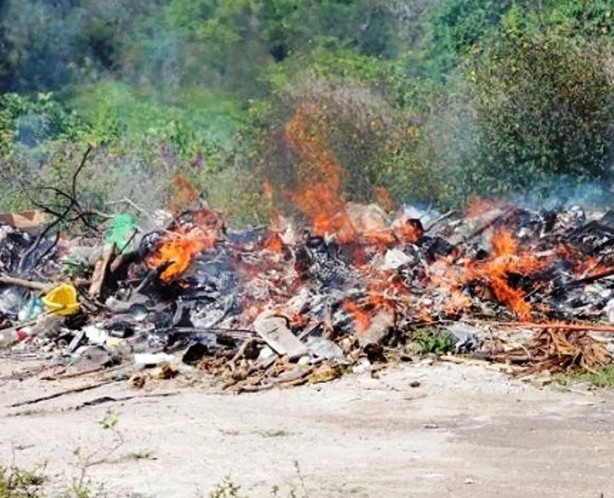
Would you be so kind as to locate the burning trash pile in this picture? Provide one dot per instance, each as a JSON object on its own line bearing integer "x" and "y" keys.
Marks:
{"x": 346, "y": 290}
{"x": 282, "y": 306}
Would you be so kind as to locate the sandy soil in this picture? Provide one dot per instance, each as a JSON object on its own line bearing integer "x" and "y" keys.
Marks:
{"x": 465, "y": 431}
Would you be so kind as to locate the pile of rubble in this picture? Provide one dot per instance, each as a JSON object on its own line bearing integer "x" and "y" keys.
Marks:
{"x": 284, "y": 305}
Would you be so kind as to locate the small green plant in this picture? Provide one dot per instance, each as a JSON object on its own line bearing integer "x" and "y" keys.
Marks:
{"x": 226, "y": 489}
{"x": 19, "y": 483}
{"x": 430, "y": 340}
{"x": 81, "y": 486}
{"x": 110, "y": 421}
{"x": 82, "y": 491}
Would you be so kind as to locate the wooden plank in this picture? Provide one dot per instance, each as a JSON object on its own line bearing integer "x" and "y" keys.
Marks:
{"x": 100, "y": 271}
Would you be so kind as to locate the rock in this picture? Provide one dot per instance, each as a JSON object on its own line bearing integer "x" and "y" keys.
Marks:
{"x": 266, "y": 353}
{"x": 325, "y": 373}
{"x": 275, "y": 332}
{"x": 608, "y": 219}
{"x": 362, "y": 366}
{"x": 465, "y": 337}
{"x": 92, "y": 357}
{"x": 323, "y": 349}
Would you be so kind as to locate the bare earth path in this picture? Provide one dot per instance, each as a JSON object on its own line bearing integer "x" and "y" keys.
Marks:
{"x": 464, "y": 432}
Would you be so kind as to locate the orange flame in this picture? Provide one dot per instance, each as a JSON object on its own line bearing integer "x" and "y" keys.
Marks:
{"x": 447, "y": 277}
{"x": 408, "y": 232}
{"x": 362, "y": 319}
{"x": 273, "y": 242}
{"x": 506, "y": 259}
{"x": 183, "y": 245}
{"x": 320, "y": 176}
{"x": 181, "y": 249}
{"x": 565, "y": 252}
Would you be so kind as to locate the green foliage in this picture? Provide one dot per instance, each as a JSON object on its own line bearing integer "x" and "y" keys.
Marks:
{"x": 544, "y": 107}
{"x": 19, "y": 483}
{"x": 457, "y": 26}
{"x": 82, "y": 491}
{"x": 435, "y": 100}
{"x": 593, "y": 18}
{"x": 33, "y": 121}
{"x": 75, "y": 268}
{"x": 226, "y": 489}
{"x": 48, "y": 45}
{"x": 429, "y": 340}
{"x": 127, "y": 119}
{"x": 110, "y": 421}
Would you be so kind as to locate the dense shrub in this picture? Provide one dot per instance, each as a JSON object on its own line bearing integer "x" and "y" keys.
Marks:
{"x": 31, "y": 122}
{"x": 544, "y": 109}
{"x": 435, "y": 100}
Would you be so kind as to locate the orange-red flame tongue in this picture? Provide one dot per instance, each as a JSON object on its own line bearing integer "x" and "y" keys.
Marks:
{"x": 507, "y": 258}
{"x": 361, "y": 318}
{"x": 180, "y": 249}
{"x": 320, "y": 176}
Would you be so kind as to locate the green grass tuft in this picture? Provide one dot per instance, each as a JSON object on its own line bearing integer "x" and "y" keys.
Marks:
{"x": 19, "y": 483}
{"x": 602, "y": 378}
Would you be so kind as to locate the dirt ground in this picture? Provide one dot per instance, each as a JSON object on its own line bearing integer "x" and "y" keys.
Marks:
{"x": 465, "y": 431}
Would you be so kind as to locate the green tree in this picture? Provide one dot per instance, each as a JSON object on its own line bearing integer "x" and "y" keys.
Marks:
{"x": 456, "y": 26}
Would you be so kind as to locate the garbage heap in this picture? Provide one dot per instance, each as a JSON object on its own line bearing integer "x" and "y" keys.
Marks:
{"x": 287, "y": 304}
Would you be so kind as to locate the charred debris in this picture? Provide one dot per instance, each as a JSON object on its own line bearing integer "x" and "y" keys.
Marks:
{"x": 163, "y": 295}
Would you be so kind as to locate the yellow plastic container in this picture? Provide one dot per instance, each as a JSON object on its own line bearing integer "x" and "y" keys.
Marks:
{"x": 62, "y": 300}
